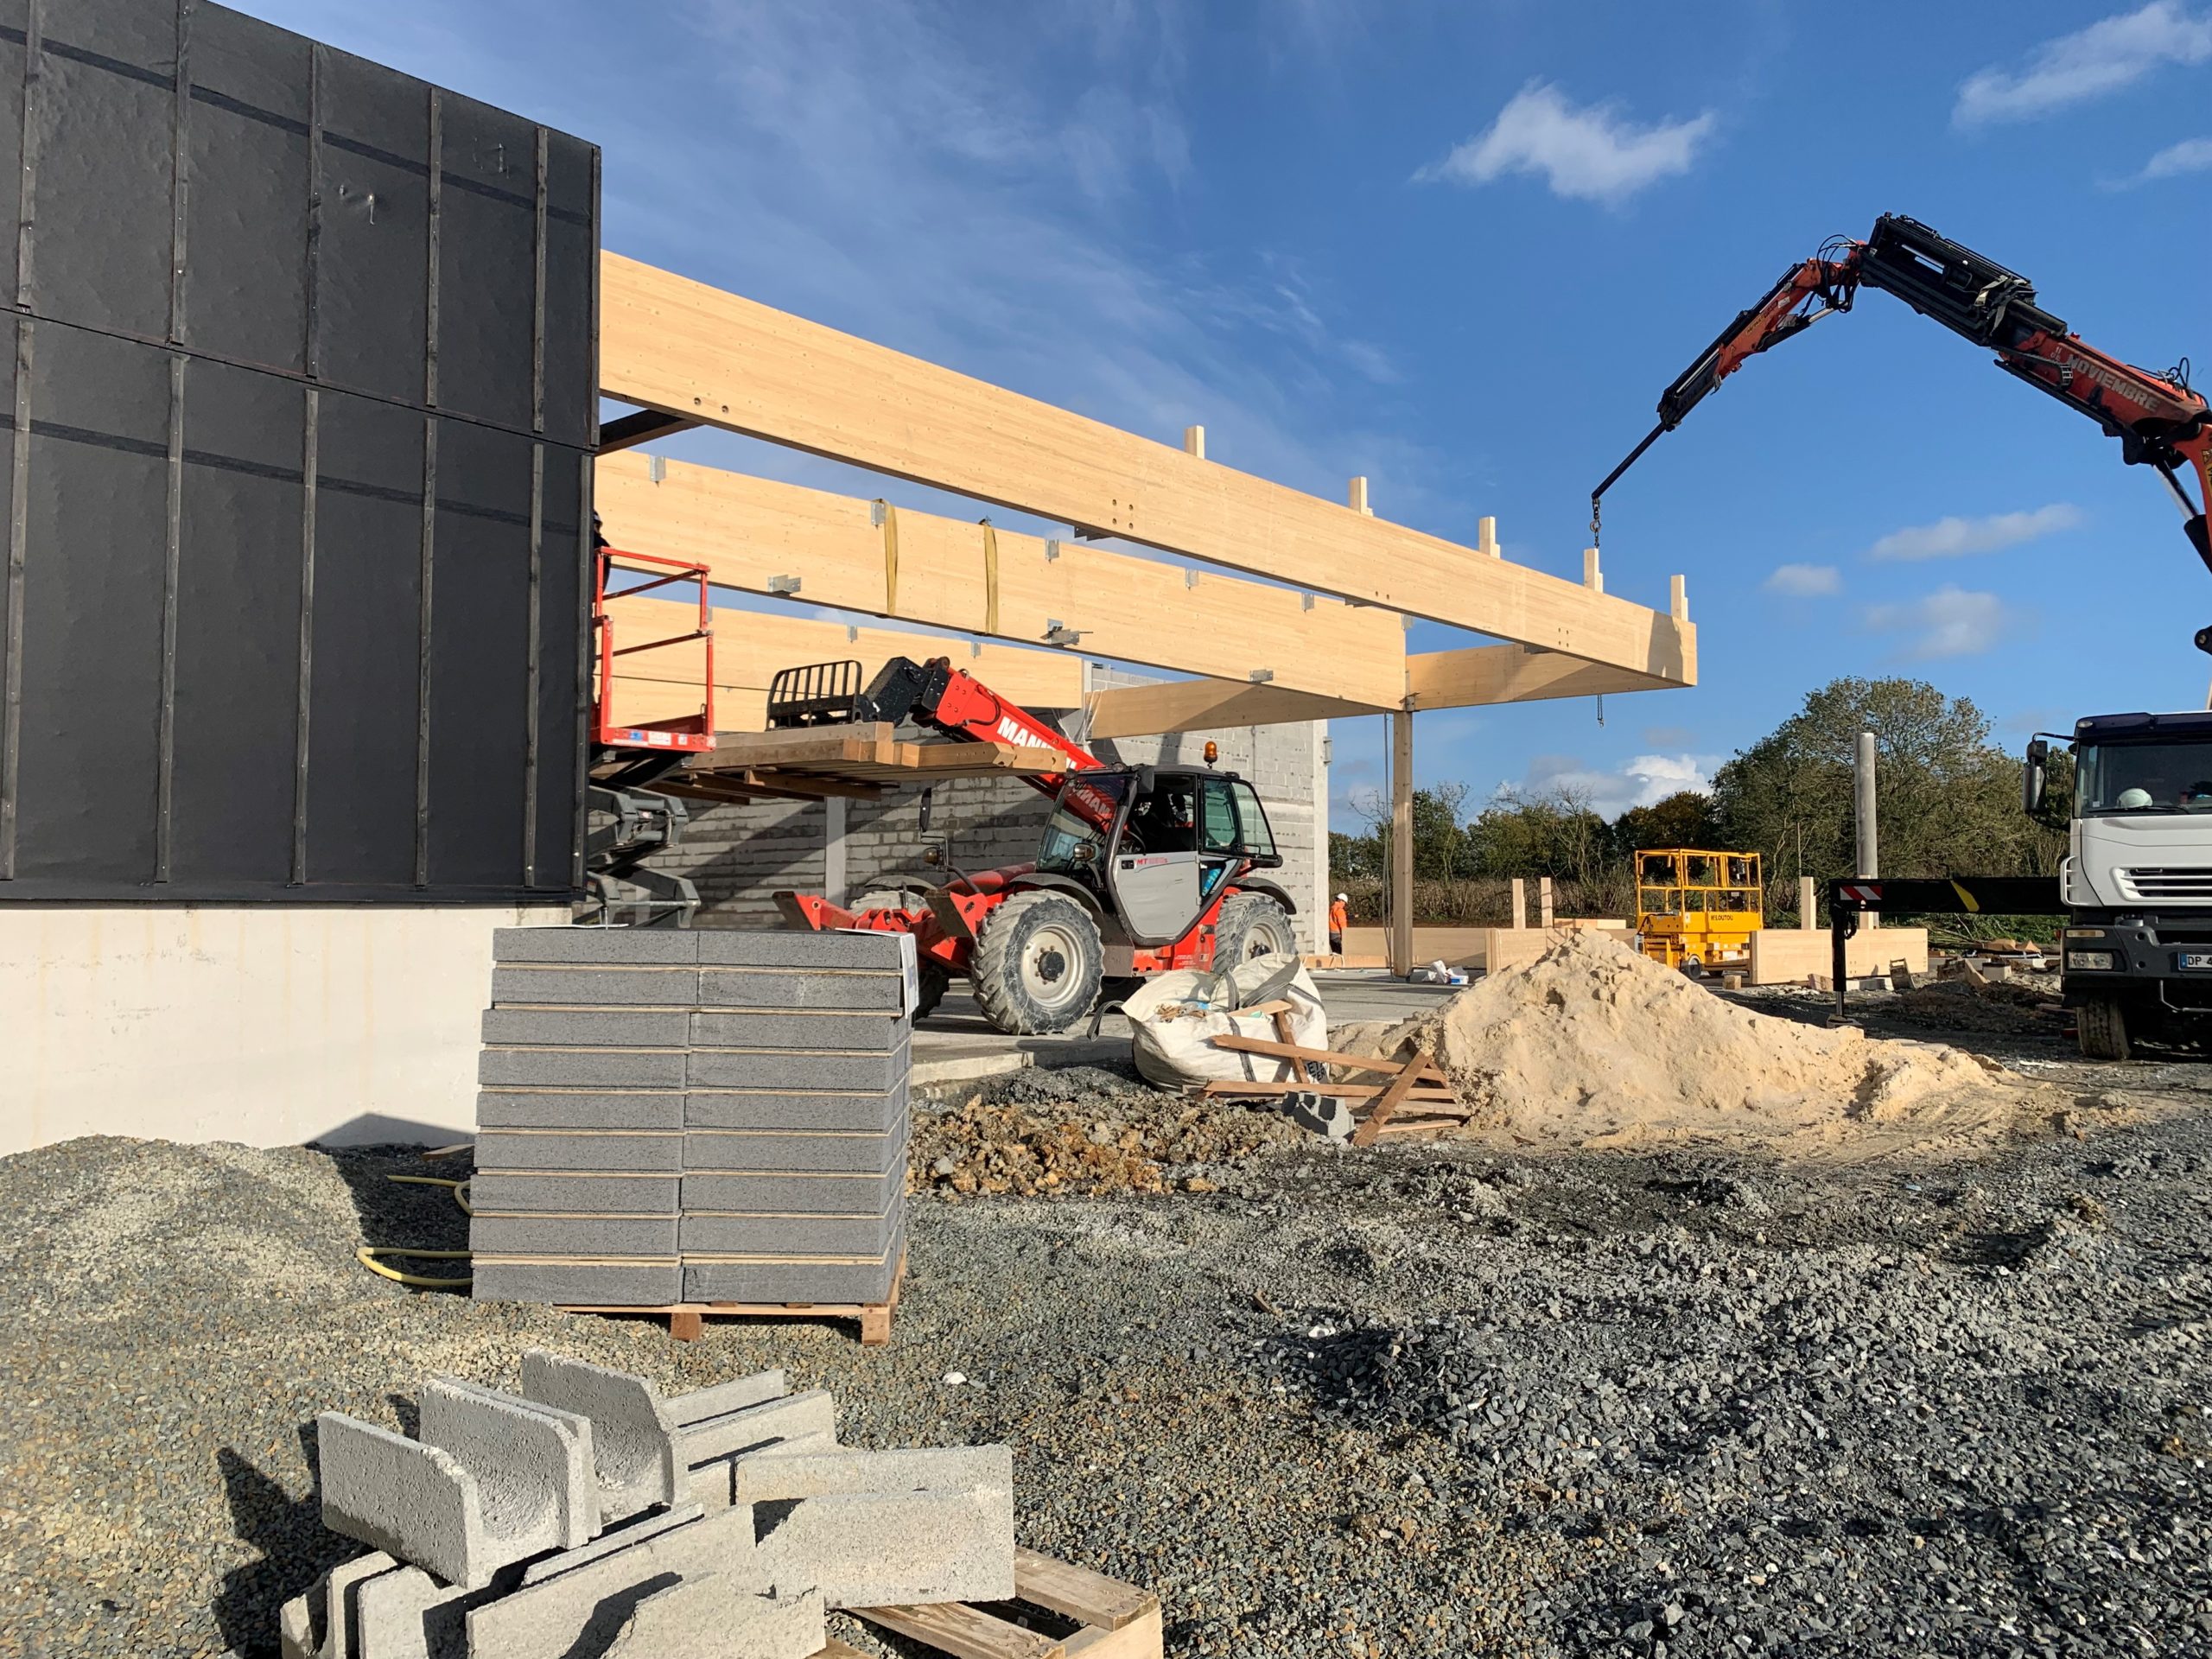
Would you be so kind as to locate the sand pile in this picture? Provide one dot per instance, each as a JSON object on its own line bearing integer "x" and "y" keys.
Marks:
{"x": 1594, "y": 1044}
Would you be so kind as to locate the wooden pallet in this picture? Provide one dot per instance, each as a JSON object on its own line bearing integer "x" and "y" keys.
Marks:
{"x": 687, "y": 1321}
{"x": 1060, "y": 1612}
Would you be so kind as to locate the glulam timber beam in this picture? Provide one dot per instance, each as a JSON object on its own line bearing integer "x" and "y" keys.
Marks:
{"x": 758, "y": 535}
{"x": 697, "y": 352}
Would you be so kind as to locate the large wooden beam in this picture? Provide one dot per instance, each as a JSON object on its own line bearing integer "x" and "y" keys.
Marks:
{"x": 1435, "y": 679}
{"x": 1401, "y": 842}
{"x": 758, "y": 536}
{"x": 682, "y": 346}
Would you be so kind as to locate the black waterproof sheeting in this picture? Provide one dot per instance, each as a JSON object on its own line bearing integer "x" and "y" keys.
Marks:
{"x": 299, "y": 386}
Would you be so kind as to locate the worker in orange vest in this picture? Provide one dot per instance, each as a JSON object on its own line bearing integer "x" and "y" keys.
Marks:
{"x": 1339, "y": 920}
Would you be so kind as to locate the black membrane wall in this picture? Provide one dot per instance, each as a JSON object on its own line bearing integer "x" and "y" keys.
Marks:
{"x": 298, "y": 383}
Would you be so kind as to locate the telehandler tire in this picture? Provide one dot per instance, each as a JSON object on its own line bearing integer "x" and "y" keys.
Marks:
{"x": 1252, "y": 924}
{"x": 2100, "y": 1027}
{"x": 1037, "y": 964}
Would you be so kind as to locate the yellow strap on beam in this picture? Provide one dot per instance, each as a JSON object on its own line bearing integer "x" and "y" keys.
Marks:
{"x": 890, "y": 556}
{"x": 990, "y": 578}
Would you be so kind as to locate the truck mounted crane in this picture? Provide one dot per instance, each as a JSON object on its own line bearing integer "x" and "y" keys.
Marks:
{"x": 1140, "y": 870}
{"x": 2160, "y": 422}
{"x": 2135, "y": 885}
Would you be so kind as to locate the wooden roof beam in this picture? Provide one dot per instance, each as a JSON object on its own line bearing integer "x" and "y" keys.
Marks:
{"x": 693, "y": 351}
{"x": 761, "y": 537}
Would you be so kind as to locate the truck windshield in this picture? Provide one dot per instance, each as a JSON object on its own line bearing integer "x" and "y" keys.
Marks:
{"x": 2114, "y": 778}
{"x": 1074, "y": 843}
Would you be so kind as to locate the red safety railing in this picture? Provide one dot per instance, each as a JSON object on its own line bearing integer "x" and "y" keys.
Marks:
{"x": 691, "y": 733}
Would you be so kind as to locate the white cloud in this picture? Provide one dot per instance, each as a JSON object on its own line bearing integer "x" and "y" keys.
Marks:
{"x": 1804, "y": 580}
{"x": 1949, "y": 622}
{"x": 1588, "y": 153}
{"x": 2107, "y": 56}
{"x": 1954, "y": 537}
{"x": 2191, "y": 156}
{"x": 1643, "y": 780}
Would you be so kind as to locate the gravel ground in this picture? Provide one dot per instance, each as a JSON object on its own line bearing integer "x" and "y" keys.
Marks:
{"x": 1423, "y": 1400}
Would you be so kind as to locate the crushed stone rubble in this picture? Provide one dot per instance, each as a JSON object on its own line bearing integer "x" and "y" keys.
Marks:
{"x": 1660, "y": 1402}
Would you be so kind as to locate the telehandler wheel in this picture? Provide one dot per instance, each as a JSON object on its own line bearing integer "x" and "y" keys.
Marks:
{"x": 935, "y": 980}
{"x": 2100, "y": 1027}
{"x": 1252, "y": 924}
{"x": 1037, "y": 964}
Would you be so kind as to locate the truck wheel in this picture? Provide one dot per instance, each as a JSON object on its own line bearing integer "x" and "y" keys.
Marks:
{"x": 1252, "y": 924}
{"x": 2101, "y": 1027}
{"x": 935, "y": 980}
{"x": 1037, "y": 964}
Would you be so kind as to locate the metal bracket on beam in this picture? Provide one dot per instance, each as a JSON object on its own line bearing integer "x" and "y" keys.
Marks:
{"x": 1052, "y": 549}
{"x": 1057, "y": 633}
{"x": 1260, "y": 676}
{"x": 784, "y": 585}
{"x": 657, "y": 469}
{"x": 875, "y": 514}
{"x": 1190, "y": 578}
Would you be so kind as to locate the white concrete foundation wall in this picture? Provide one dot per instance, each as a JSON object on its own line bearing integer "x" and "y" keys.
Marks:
{"x": 268, "y": 1024}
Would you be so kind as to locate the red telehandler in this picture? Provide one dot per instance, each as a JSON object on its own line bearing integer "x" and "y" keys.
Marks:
{"x": 2160, "y": 420}
{"x": 1140, "y": 870}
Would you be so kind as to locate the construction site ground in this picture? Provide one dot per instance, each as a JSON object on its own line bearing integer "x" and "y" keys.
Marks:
{"x": 1434, "y": 1398}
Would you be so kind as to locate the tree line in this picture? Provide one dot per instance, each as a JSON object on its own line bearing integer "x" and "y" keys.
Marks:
{"x": 1948, "y": 802}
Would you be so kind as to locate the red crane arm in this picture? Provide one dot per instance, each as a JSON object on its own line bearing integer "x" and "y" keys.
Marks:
{"x": 2159, "y": 420}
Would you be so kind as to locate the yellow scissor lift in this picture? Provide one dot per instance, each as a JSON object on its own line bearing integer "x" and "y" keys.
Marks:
{"x": 1697, "y": 910}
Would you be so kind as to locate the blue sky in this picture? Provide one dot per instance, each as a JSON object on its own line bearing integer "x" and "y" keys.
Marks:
{"x": 1460, "y": 248}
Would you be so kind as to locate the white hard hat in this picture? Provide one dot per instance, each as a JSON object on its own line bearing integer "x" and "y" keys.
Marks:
{"x": 2133, "y": 797}
{"x": 1346, "y": 897}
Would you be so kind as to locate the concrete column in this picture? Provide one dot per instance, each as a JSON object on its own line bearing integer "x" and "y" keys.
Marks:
{"x": 1870, "y": 839}
{"x": 833, "y": 849}
{"x": 1809, "y": 903}
{"x": 1519, "y": 905}
{"x": 1543, "y": 901}
{"x": 1402, "y": 841}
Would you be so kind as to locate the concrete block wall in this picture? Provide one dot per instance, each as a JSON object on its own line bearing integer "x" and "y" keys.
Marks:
{"x": 740, "y": 854}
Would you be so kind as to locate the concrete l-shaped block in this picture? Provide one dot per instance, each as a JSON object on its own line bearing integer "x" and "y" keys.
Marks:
{"x": 533, "y": 1465}
{"x": 642, "y": 1442}
{"x": 868, "y": 1529}
{"x": 407, "y": 1499}
{"x": 721, "y": 1616}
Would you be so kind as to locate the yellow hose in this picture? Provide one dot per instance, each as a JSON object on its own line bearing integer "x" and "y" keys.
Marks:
{"x": 367, "y": 1254}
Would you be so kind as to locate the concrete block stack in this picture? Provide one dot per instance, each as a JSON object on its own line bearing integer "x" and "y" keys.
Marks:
{"x": 589, "y": 1513}
{"x": 671, "y": 1117}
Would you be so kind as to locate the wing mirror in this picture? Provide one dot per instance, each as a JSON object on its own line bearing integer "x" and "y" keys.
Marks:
{"x": 2035, "y": 776}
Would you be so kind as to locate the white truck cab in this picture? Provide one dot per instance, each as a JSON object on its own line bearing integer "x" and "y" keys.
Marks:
{"x": 2137, "y": 879}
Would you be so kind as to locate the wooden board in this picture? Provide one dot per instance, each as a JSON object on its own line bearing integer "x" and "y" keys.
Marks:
{"x": 671, "y": 343}
{"x": 1438, "y": 1093}
{"x": 752, "y": 533}
{"x": 865, "y": 754}
{"x": 1113, "y": 1620}
{"x": 686, "y": 1319}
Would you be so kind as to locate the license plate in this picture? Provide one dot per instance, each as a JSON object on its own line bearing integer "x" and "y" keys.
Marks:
{"x": 2196, "y": 961}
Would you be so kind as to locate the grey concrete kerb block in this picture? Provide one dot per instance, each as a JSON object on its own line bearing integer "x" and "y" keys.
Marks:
{"x": 532, "y": 1463}
{"x": 871, "y": 1527}
{"x": 634, "y": 1444}
{"x": 324, "y": 1607}
{"x": 407, "y": 1499}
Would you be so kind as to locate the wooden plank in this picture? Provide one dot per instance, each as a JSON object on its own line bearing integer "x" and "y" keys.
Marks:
{"x": 672, "y": 344}
{"x": 751, "y": 531}
{"x": 1291, "y": 1050}
{"x": 1143, "y": 1639}
{"x": 1207, "y": 705}
{"x": 1077, "y": 1592}
{"x": 1487, "y": 674}
{"x": 966, "y": 1632}
{"x": 1439, "y": 1093}
{"x": 1387, "y": 1104}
